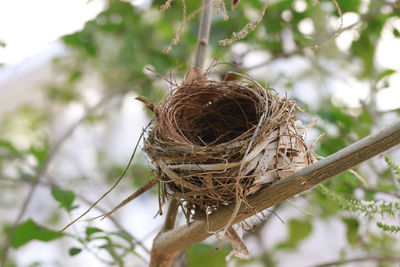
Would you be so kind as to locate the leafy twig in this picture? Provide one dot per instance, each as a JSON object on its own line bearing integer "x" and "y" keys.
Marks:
{"x": 42, "y": 170}
{"x": 365, "y": 207}
{"x": 84, "y": 199}
{"x": 394, "y": 229}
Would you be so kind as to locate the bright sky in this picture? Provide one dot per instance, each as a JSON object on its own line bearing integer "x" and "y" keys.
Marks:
{"x": 28, "y": 26}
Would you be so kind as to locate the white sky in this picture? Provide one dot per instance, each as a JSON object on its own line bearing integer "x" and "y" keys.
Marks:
{"x": 27, "y": 26}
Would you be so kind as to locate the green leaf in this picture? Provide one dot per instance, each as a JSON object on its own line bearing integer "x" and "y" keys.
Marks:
{"x": 39, "y": 153}
{"x": 74, "y": 76}
{"x": 352, "y": 230}
{"x": 124, "y": 235}
{"x": 29, "y": 230}
{"x": 298, "y": 230}
{"x": 200, "y": 255}
{"x": 64, "y": 197}
{"x": 92, "y": 230}
{"x": 74, "y": 251}
{"x": 385, "y": 73}
{"x": 9, "y": 147}
{"x": 349, "y": 5}
{"x": 396, "y": 32}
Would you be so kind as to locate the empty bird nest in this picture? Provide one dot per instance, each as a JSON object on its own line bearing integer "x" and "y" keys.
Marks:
{"x": 215, "y": 142}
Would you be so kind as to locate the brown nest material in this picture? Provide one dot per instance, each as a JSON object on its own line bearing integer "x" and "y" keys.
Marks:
{"x": 215, "y": 142}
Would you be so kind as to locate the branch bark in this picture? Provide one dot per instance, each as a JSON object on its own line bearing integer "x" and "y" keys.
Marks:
{"x": 204, "y": 34}
{"x": 158, "y": 258}
{"x": 171, "y": 242}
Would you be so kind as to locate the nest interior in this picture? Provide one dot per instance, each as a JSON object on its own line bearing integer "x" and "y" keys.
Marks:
{"x": 216, "y": 141}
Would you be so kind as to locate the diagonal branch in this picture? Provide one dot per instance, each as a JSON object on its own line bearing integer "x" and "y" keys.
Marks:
{"x": 182, "y": 237}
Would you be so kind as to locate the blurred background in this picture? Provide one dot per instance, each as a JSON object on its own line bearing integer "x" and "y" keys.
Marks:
{"x": 69, "y": 75}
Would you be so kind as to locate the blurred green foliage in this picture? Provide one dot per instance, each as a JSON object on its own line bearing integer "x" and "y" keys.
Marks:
{"x": 119, "y": 44}
{"x": 29, "y": 230}
{"x": 206, "y": 255}
{"x": 298, "y": 230}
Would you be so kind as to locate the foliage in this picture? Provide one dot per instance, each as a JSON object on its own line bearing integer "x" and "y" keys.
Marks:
{"x": 394, "y": 167}
{"x": 115, "y": 48}
{"x": 363, "y": 207}
{"x": 388, "y": 228}
{"x": 298, "y": 230}
{"x": 205, "y": 255}
{"x": 64, "y": 197}
{"x": 29, "y": 230}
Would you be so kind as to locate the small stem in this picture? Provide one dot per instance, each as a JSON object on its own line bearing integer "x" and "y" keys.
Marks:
{"x": 378, "y": 258}
{"x": 170, "y": 218}
{"x": 204, "y": 33}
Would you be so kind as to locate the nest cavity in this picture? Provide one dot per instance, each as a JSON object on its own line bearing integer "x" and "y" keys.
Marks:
{"x": 216, "y": 141}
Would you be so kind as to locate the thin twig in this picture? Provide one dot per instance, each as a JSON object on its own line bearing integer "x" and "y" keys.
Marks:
{"x": 339, "y": 30}
{"x": 115, "y": 222}
{"x": 137, "y": 193}
{"x": 377, "y": 258}
{"x": 42, "y": 170}
{"x": 170, "y": 218}
{"x": 300, "y": 208}
{"x": 115, "y": 183}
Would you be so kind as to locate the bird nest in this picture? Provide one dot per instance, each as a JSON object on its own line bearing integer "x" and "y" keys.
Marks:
{"x": 214, "y": 142}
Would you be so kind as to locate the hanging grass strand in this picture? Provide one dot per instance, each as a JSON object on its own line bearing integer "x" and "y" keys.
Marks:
{"x": 175, "y": 41}
{"x": 247, "y": 29}
{"x": 166, "y": 5}
{"x": 339, "y": 30}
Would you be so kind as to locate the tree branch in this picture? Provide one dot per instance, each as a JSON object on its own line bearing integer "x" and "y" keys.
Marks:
{"x": 204, "y": 33}
{"x": 170, "y": 218}
{"x": 180, "y": 238}
{"x": 159, "y": 259}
